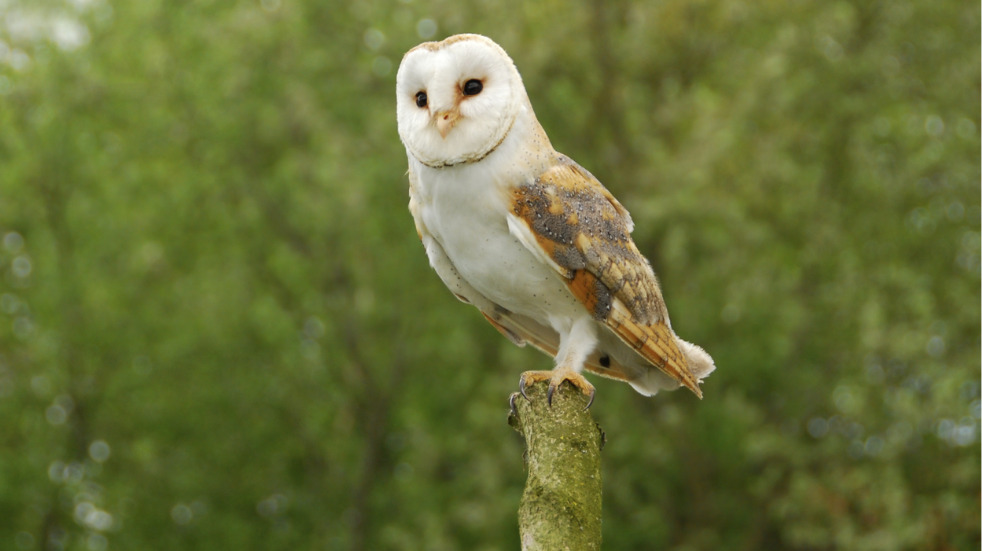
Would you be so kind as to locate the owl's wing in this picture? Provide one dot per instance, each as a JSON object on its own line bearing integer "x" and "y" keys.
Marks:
{"x": 572, "y": 223}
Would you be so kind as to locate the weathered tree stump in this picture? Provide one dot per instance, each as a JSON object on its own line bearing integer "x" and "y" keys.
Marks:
{"x": 561, "y": 505}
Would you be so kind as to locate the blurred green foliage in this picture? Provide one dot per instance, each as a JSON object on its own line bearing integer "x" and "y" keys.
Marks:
{"x": 219, "y": 331}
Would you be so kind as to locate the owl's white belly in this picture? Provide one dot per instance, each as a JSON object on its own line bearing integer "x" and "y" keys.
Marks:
{"x": 466, "y": 212}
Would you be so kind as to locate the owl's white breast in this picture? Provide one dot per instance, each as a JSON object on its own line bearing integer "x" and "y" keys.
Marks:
{"x": 465, "y": 209}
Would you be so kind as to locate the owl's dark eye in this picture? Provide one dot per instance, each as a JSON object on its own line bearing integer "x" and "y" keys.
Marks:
{"x": 473, "y": 87}
{"x": 421, "y": 99}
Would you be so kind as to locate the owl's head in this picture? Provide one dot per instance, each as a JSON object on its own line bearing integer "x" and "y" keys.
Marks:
{"x": 457, "y": 99}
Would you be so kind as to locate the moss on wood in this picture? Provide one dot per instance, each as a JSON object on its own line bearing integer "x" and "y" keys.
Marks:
{"x": 561, "y": 505}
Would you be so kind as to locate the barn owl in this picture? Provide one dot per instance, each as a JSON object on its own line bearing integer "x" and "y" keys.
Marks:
{"x": 525, "y": 234}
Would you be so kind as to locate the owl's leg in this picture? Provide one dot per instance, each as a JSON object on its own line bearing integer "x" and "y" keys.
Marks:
{"x": 577, "y": 339}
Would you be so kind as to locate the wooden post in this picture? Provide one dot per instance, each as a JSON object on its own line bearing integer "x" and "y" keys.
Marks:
{"x": 560, "y": 508}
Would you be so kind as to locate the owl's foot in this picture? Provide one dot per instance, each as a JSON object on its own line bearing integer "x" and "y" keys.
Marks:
{"x": 556, "y": 378}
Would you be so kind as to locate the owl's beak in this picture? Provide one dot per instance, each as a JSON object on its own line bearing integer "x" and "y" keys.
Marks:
{"x": 446, "y": 120}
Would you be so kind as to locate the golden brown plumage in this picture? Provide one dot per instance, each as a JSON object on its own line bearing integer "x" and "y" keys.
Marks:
{"x": 586, "y": 233}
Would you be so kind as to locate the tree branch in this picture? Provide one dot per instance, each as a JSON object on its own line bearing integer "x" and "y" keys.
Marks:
{"x": 561, "y": 505}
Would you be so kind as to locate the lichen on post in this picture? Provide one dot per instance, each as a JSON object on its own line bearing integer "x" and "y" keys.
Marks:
{"x": 561, "y": 505}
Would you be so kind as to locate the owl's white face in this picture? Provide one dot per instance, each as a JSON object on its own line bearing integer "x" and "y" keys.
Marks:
{"x": 457, "y": 99}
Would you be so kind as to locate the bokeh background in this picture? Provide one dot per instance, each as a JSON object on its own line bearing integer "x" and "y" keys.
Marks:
{"x": 218, "y": 329}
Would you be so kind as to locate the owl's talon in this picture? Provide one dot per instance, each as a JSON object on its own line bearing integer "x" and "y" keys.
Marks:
{"x": 512, "y": 410}
{"x": 556, "y": 378}
{"x": 521, "y": 387}
{"x": 591, "y": 394}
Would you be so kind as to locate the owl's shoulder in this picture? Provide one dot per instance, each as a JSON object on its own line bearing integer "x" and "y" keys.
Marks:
{"x": 570, "y": 196}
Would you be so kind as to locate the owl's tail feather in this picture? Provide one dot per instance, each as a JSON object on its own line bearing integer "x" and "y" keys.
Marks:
{"x": 700, "y": 364}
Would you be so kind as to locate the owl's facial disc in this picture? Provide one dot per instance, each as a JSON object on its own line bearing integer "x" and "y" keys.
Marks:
{"x": 456, "y": 99}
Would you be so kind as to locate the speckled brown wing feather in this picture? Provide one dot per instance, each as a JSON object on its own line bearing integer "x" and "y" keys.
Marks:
{"x": 584, "y": 232}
